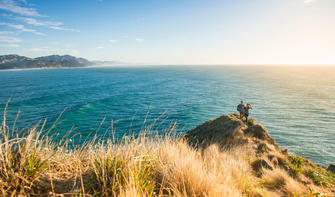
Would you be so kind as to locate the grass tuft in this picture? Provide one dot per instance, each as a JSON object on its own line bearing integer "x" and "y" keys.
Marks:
{"x": 142, "y": 166}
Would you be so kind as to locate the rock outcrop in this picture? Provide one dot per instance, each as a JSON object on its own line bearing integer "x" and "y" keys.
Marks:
{"x": 331, "y": 168}
{"x": 230, "y": 132}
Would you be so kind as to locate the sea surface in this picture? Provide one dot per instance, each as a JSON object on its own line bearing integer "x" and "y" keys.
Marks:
{"x": 296, "y": 104}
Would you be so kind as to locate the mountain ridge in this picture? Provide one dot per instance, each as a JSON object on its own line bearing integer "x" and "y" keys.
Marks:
{"x": 14, "y": 61}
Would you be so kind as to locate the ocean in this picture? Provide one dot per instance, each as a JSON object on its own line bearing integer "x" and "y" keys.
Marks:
{"x": 296, "y": 104}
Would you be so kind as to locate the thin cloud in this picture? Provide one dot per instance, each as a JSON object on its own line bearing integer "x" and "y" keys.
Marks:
{"x": 6, "y": 32}
{"x": 48, "y": 24}
{"x": 9, "y": 39}
{"x": 23, "y": 28}
{"x": 16, "y": 7}
{"x": 40, "y": 23}
{"x": 44, "y": 49}
{"x": 112, "y": 41}
{"x": 100, "y": 47}
{"x": 63, "y": 28}
{"x": 35, "y": 49}
{"x": 32, "y": 21}
{"x": 139, "y": 40}
{"x": 10, "y": 45}
{"x": 309, "y": 1}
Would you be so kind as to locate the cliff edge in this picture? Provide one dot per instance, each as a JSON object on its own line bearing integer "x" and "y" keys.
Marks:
{"x": 270, "y": 163}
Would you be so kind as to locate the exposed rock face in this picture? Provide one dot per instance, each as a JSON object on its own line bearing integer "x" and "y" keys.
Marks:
{"x": 257, "y": 165}
{"x": 331, "y": 168}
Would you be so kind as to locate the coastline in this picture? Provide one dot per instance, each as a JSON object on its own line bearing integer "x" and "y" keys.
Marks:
{"x": 41, "y": 68}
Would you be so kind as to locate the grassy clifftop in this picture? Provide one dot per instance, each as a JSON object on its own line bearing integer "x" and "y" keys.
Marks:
{"x": 274, "y": 170}
{"x": 222, "y": 157}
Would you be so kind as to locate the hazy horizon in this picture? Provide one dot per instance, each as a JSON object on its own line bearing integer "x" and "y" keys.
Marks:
{"x": 261, "y": 32}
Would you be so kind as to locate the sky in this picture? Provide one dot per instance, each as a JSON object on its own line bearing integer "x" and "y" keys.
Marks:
{"x": 172, "y": 31}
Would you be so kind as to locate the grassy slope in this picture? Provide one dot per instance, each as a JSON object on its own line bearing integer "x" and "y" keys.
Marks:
{"x": 157, "y": 166}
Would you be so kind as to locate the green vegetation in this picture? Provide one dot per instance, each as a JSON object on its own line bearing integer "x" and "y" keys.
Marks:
{"x": 114, "y": 171}
{"x": 317, "y": 174}
{"x": 250, "y": 121}
{"x": 149, "y": 166}
{"x": 297, "y": 163}
{"x": 320, "y": 176}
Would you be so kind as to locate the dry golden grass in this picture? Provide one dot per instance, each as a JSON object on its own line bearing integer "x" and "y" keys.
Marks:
{"x": 279, "y": 180}
{"x": 141, "y": 166}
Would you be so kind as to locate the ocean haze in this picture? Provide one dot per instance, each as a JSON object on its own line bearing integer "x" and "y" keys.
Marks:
{"x": 294, "y": 103}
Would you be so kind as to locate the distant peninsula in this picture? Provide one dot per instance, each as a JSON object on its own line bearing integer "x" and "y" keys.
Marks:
{"x": 14, "y": 61}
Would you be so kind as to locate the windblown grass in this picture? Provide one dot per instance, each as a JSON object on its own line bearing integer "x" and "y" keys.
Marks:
{"x": 136, "y": 166}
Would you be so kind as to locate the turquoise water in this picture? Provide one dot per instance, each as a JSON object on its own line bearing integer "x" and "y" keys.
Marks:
{"x": 296, "y": 104}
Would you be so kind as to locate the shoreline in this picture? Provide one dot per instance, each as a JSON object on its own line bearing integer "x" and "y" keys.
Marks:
{"x": 178, "y": 66}
{"x": 40, "y": 68}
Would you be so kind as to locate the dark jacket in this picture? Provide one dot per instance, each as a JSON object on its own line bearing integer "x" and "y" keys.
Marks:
{"x": 240, "y": 108}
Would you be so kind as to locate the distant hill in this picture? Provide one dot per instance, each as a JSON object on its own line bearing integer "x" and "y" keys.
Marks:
{"x": 58, "y": 61}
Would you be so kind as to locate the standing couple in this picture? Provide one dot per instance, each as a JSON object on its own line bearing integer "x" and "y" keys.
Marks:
{"x": 244, "y": 110}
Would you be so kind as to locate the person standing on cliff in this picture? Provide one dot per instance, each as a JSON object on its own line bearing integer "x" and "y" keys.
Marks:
{"x": 240, "y": 108}
{"x": 246, "y": 111}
